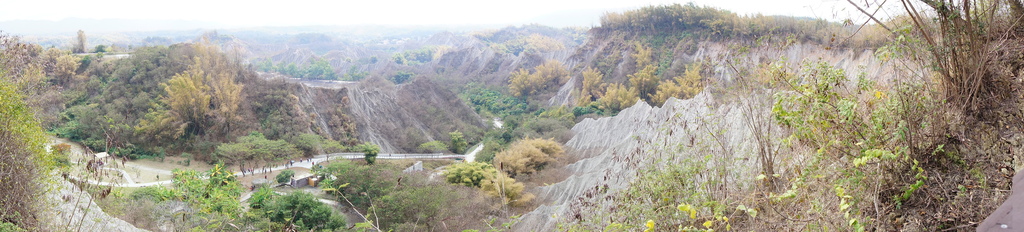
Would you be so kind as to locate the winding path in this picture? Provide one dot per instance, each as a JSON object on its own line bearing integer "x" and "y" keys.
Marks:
{"x": 303, "y": 163}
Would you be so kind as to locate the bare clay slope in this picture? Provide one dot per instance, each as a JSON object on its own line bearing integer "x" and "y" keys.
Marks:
{"x": 614, "y": 148}
{"x": 398, "y": 118}
{"x": 76, "y": 210}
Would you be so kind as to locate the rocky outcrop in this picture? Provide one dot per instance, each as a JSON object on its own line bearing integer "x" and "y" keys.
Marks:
{"x": 400, "y": 117}
{"x": 75, "y": 210}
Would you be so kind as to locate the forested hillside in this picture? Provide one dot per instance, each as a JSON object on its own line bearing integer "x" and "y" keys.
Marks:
{"x": 181, "y": 98}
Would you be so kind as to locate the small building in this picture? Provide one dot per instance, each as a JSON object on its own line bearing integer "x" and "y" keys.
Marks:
{"x": 303, "y": 180}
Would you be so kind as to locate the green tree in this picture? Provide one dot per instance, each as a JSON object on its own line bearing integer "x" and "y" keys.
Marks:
{"x": 255, "y": 148}
{"x": 304, "y": 211}
{"x": 320, "y": 69}
{"x": 433, "y": 146}
{"x": 215, "y": 191}
{"x": 369, "y": 151}
{"x": 491, "y": 148}
{"x": 468, "y": 174}
{"x": 285, "y": 176}
{"x": 350, "y": 180}
{"x": 263, "y": 196}
{"x": 291, "y": 70}
{"x": 100, "y": 48}
{"x": 404, "y": 202}
{"x": 314, "y": 144}
{"x": 458, "y": 142}
{"x": 401, "y": 77}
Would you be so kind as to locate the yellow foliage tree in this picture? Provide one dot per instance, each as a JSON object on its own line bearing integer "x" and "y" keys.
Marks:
{"x": 666, "y": 89}
{"x": 553, "y": 71}
{"x": 60, "y": 65}
{"x": 225, "y": 91}
{"x": 497, "y": 184}
{"x": 645, "y": 80}
{"x": 64, "y": 69}
{"x": 527, "y": 156}
{"x": 643, "y": 55}
{"x": 187, "y": 105}
{"x": 691, "y": 81}
{"x": 591, "y": 87}
{"x": 541, "y": 43}
{"x": 519, "y": 83}
{"x": 617, "y": 97}
{"x": 522, "y": 83}
{"x": 681, "y": 87}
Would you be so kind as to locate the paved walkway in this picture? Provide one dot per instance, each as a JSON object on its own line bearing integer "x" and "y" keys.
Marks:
{"x": 305, "y": 163}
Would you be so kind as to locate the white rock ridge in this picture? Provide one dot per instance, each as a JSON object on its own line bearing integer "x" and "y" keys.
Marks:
{"x": 612, "y": 149}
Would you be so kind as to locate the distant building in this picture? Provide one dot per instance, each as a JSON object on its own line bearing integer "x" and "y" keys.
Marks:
{"x": 417, "y": 167}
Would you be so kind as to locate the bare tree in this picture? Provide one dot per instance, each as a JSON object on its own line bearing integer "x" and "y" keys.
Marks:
{"x": 80, "y": 43}
{"x": 963, "y": 39}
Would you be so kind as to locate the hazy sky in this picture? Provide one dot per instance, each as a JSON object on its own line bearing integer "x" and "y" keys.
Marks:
{"x": 391, "y": 12}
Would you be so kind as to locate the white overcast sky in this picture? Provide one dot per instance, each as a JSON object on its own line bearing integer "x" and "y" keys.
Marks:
{"x": 386, "y": 12}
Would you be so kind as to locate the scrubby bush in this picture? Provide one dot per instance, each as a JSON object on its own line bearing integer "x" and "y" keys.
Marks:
{"x": 458, "y": 142}
{"x": 433, "y": 146}
{"x": 369, "y": 150}
{"x": 523, "y": 83}
{"x": 304, "y": 212}
{"x": 511, "y": 192}
{"x": 468, "y": 174}
{"x": 490, "y": 102}
{"x": 527, "y": 156}
{"x": 285, "y": 176}
{"x": 24, "y": 162}
{"x": 404, "y": 201}
{"x": 617, "y": 97}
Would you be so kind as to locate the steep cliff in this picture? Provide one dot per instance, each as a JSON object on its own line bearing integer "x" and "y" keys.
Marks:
{"x": 75, "y": 210}
{"x": 398, "y": 118}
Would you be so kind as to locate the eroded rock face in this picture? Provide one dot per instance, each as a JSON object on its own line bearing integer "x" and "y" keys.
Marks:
{"x": 75, "y": 211}
{"x": 398, "y": 118}
{"x": 612, "y": 149}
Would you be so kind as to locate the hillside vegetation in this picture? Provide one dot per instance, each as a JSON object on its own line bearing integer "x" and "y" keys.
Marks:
{"x": 895, "y": 141}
